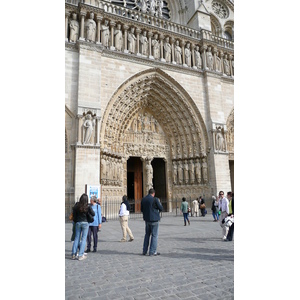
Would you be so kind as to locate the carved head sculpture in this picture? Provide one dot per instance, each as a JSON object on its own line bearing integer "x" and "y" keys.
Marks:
{"x": 156, "y": 36}
{"x": 91, "y": 16}
{"x": 74, "y": 16}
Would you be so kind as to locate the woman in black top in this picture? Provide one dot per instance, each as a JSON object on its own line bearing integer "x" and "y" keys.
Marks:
{"x": 80, "y": 211}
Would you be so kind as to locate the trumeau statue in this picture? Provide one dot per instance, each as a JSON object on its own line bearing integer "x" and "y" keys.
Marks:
{"x": 74, "y": 29}
{"x": 90, "y": 27}
{"x": 88, "y": 126}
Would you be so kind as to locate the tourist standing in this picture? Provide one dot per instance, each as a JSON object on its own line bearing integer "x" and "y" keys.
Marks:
{"x": 185, "y": 210}
{"x": 123, "y": 217}
{"x": 224, "y": 208}
{"x": 151, "y": 207}
{"x": 215, "y": 208}
{"x": 80, "y": 212}
{"x": 95, "y": 226}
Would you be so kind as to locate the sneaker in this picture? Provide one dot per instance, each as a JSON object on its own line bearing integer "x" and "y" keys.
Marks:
{"x": 95, "y": 250}
{"x": 88, "y": 250}
{"x": 131, "y": 240}
{"x": 122, "y": 240}
{"x": 82, "y": 257}
{"x": 73, "y": 256}
{"x": 154, "y": 254}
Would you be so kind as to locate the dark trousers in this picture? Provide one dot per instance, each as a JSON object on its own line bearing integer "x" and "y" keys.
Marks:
{"x": 93, "y": 230}
{"x": 230, "y": 232}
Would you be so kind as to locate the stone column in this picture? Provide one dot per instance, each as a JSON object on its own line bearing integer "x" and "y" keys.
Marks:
{"x": 173, "y": 54}
{"x": 126, "y": 27}
{"x": 67, "y": 15}
{"x": 98, "y": 130}
{"x": 112, "y": 35}
{"x": 99, "y": 20}
{"x": 82, "y": 14}
{"x": 203, "y": 50}
{"x": 150, "y": 34}
{"x": 161, "y": 39}
{"x": 183, "y": 54}
{"x": 138, "y": 31}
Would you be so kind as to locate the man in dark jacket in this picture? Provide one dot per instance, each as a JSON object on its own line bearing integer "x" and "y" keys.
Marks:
{"x": 151, "y": 208}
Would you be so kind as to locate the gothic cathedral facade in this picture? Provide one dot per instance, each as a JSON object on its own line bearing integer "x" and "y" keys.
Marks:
{"x": 149, "y": 98}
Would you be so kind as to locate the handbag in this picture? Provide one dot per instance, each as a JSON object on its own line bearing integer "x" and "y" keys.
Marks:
{"x": 89, "y": 217}
{"x": 71, "y": 216}
{"x": 202, "y": 206}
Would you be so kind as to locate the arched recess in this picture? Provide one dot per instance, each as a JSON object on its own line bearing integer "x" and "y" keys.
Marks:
{"x": 216, "y": 27}
{"x": 151, "y": 115}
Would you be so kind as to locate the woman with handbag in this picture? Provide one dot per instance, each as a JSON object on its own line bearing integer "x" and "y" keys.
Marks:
{"x": 215, "y": 208}
{"x": 82, "y": 212}
{"x": 202, "y": 207}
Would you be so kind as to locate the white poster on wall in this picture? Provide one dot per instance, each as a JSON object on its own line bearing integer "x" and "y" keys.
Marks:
{"x": 93, "y": 190}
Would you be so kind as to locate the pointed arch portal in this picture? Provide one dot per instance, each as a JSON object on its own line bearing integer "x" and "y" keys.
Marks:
{"x": 151, "y": 116}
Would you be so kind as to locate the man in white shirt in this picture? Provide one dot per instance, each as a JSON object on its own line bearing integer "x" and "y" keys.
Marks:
{"x": 123, "y": 216}
{"x": 224, "y": 208}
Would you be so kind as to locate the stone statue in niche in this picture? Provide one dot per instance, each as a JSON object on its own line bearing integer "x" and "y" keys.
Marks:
{"x": 144, "y": 43}
{"x": 131, "y": 41}
{"x": 204, "y": 170}
{"x": 90, "y": 27}
{"x": 226, "y": 65}
{"x": 152, "y": 7}
{"x": 167, "y": 50}
{"x": 156, "y": 47}
{"x": 160, "y": 5}
{"x": 218, "y": 64}
{"x": 209, "y": 59}
{"x": 198, "y": 171}
{"x": 74, "y": 28}
{"x": 187, "y": 53}
{"x": 180, "y": 173}
{"x": 220, "y": 140}
{"x": 191, "y": 172}
{"x": 178, "y": 52}
{"x": 118, "y": 38}
{"x": 143, "y": 5}
{"x": 174, "y": 172}
{"x": 103, "y": 169}
{"x": 88, "y": 126}
{"x": 198, "y": 61}
{"x": 105, "y": 34}
{"x": 186, "y": 172}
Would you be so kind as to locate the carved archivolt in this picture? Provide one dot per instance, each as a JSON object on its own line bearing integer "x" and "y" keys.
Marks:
{"x": 162, "y": 101}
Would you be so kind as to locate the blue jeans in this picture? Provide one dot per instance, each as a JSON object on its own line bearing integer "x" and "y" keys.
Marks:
{"x": 216, "y": 215}
{"x": 151, "y": 229}
{"x": 82, "y": 229}
{"x": 185, "y": 217}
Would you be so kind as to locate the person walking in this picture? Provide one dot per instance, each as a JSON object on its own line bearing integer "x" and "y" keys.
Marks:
{"x": 215, "y": 208}
{"x": 185, "y": 210}
{"x": 81, "y": 209}
{"x": 224, "y": 208}
{"x": 123, "y": 217}
{"x": 151, "y": 207}
{"x": 95, "y": 226}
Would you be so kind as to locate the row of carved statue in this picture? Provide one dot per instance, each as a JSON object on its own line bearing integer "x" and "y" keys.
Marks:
{"x": 111, "y": 171}
{"x": 151, "y": 45}
{"x": 193, "y": 171}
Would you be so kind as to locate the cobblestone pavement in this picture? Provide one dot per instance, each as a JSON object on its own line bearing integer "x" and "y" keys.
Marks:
{"x": 194, "y": 263}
